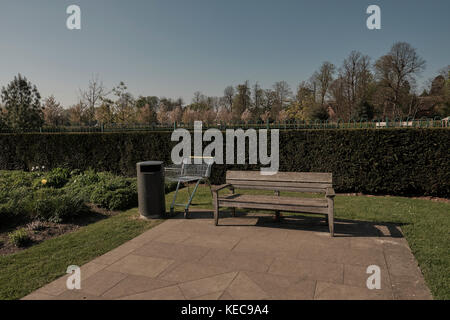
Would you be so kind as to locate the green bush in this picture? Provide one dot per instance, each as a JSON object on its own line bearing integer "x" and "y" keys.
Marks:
{"x": 57, "y": 178}
{"x": 82, "y": 184}
{"x": 24, "y": 198}
{"x": 10, "y": 180}
{"x": 119, "y": 199}
{"x": 115, "y": 193}
{"x": 46, "y": 204}
{"x": 19, "y": 238}
{"x": 56, "y": 207}
{"x": 15, "y": 205}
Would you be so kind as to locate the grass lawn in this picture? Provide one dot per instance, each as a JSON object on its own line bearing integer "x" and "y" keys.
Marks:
{"x": 426, "y": 226}
{"x": 25, "y": 271}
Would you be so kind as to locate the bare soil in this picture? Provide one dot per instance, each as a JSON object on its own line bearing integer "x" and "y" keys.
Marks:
{"x": 50, "y": 230}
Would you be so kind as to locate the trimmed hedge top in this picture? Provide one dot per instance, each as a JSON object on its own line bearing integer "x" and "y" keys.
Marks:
{"x": 389, "y": 161}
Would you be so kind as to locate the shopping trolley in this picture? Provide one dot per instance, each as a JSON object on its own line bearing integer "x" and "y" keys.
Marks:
{"x": 189, "y": 172}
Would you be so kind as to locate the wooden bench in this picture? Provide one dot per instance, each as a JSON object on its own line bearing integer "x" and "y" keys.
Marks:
{"x": 282, "y": 181}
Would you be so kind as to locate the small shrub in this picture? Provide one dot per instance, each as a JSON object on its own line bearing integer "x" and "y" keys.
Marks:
{"x": 19, "y": 238}
{"x": 24, "y": 198}
{"x": 15, "y": 205}
{"x": 88, "y": 177}
{"x": 118, "y": 199}
{"x": 36, "y": 225}
{"x": 122, "y": 199}
{"x": 75, "y": 172}
{"x": 57, "y": 208}
{"x": 82, "y": 184}
{"x": 67, "y": 207}
{"x": 57, "y": 178}
{"x": 114, "y": 193}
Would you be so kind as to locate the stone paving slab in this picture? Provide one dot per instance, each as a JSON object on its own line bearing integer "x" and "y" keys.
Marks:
{"x": 250, "y": 257}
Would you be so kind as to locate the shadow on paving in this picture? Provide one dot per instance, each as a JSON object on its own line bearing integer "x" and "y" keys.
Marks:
{"x": 343, "y": 227}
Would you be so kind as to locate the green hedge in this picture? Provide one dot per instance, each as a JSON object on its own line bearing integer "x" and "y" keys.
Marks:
{"x": 373, "y": 161}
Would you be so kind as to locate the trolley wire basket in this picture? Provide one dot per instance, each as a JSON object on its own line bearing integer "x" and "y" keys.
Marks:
{"x": 189, "y": 172}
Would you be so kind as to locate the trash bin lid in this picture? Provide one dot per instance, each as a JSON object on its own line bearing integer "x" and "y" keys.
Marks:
{"x": 149, "y": 166}
{"x": 149, "y": 163}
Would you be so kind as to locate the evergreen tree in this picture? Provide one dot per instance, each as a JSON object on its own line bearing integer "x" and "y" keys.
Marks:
{"x": 242, "y": 100}
{"x": 22, "y": 104}
{"x": 364, "y": 111}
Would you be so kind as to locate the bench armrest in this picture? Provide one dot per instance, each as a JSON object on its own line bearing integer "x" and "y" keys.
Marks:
{"x": 330, "y": 193}
{"x": 220, "y": 187}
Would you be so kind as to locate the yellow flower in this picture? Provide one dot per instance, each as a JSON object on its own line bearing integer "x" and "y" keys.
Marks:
{"x": 44, "y": 181}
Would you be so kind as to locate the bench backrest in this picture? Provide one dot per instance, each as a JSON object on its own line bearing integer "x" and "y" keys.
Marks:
{"x": 281, "y": 181}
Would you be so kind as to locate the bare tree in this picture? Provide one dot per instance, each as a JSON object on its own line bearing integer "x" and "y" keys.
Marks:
{"x": 146, "y": 114}
{"x": 77, "y": 113}
{"x": 283, "y": 92}
{"x": 92, "y": 96}
{"x": 53, "y": 112}
{"x": 198, "y": 97}
{"x": 163, "y": 115}
{"x": 224, "y": 115}
{"x": 246, "y": 116}
{"x": 104, "y": 114}
{"x": 323, "y": 79}
{"x": 269, "y": 102}
{"x": 124, "y": 106}
{"x": 351, "y": 88}
{"x": 175, "y": 115}
{"x": 228, "y": 94}
{"x": 396, "y": 71}
{"x": 258, "y": 100}
{"x": 190, "y": 115}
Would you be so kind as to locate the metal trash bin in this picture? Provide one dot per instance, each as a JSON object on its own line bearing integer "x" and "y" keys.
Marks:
{"x": 151, "y": 193}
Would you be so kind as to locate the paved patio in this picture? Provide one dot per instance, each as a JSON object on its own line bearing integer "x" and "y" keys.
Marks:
{"x": 250, "y": 257}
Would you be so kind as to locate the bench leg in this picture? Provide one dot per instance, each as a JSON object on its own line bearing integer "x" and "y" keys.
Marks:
{"x": 331, "y": 224}
{"x": 233, "y": 210}
{"x": 331, "y": 216}
{"x": 277, "y": 216}
{"x": 216, "y": 208}
{"x": 277, "y": 213}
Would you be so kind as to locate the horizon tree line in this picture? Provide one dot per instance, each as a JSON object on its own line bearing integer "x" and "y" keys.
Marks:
{"x": 358, "y": 89}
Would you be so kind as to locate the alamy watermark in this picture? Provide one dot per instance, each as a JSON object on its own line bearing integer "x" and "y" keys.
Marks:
{"x": 373, "y": 22}
{"x": 74, "y": 280}
{"x": 374, "y": 280}
{"x": 73, "y": 22}
{"x": 213, "y": 152}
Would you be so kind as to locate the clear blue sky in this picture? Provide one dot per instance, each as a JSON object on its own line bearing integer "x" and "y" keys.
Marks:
{"x": 173, "y": 48}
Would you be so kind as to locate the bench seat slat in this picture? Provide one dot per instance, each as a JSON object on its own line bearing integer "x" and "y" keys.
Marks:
{"x": 270, "y": 200}
{"x": 273, "y": 207}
